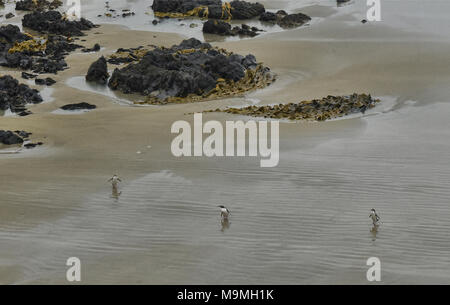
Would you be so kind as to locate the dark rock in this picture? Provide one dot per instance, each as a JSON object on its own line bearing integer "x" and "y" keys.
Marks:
{"x": 364, "y": 21}
{"x": 37, "y": 5}
{"x": 44, "y": 82}
{"x": 26, "y": 75}
{"x": 217, "y": 27}
{"x": 191, "y": 69}
{"x": 25, "y": 113}
{"x": 284, "y": 20}
{"x": 15, "y": 96}
{"x": 212, "y": 9}
{"x": 79, "y": 106}
{"x": 268, "y": 17}
{"x": 246, "y": 10}
{"x": 9, "y": 15}
{"x": 18, "y": 50}
{"x": 182, "y": 6}
{"x": 9, "y": 138}
{"x": 23, "y": 134}
{"x": 98, "y": 72}
{"x": 294, "y": 20}
{"x": 95, "y": 48}
{"x": 155, "y": 22}
{"x": 53, "y": 22}
{"x": 223, "y": 28}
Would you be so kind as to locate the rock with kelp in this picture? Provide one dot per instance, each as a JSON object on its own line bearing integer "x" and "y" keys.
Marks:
{"x": 40, "y": 54}
{"x": 37, "y": 5}
{"x": 329, "y": 107}
{"x": 122, "y": 56}
{"x": 219, "y": 27}
{"x": 98, "y": 72}
{"x": 15, "y": 96}
{"x": 189, "y": 72}
{"x": 284, "y": 19}
{"x": 211, "y": 9}
{"x": 55, "y": 23}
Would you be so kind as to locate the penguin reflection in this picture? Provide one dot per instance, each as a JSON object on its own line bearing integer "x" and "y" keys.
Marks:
{"x": 225, "y": 224}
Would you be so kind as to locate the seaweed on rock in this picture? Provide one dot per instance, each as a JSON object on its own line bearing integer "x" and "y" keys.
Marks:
{"x": 189, "y": 72}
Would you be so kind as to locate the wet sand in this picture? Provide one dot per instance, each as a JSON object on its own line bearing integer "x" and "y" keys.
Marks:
{"x": 303, "y": 222}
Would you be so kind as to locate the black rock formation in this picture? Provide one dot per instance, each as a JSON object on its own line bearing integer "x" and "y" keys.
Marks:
{"x": 223, "y": 28}
{"x": 41, "y": 55}
{"x": 190, "y": 68}
{"x": 37, "y": 5}
{"x": 98, "y": 72}
{"x": 15, "y": 96}
{"x": 285, "y": 20}
{"x": 53, "y": 22}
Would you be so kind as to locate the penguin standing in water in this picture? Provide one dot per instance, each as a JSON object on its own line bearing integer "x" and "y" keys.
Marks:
{"x": 115, "y": 186}
{"x": 115, "y": 181}
{"x": 375, "y": 218}
{"x": 225, "y": 221}
{"x": 224, "y": 212}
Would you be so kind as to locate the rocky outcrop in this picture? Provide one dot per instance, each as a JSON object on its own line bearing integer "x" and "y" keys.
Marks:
{"x": 39, "y": 54}
{"x": 79, "y": 106}
{"x": 223, "y": 28}
{"x": 241, "y": 10}
{"x": 294, "y": 20}
{"x": 17, "y": 137}
{"x": 190, "y": 71}
{"x": 318, "y": 110}
{"x": 98, "y": 72}
{"x": 37, "y": 5}
{"x": 16, "y": 96}
{"x": 212, "y": 9}
{"x": 8, "y": 137}
{"x": 53, "y": 22}
{"x": 285, "y": 20}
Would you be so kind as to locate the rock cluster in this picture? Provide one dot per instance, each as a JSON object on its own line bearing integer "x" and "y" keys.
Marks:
{"x": 190, "y": 71}
{"x": 15, "y": 96}
{"x": 17, "y": 137}
{"x": 211, "y": 9}
{"x": 44, "y": 81}
{"x": 318, "y": 110}
{"x": 98, "y": 72}
{"x": 39, "y": 54}
{"x": 223, "y": 28}
{"x": 37, "y": 5}
{"x": 285, "y": 20}
{"x": 53, "y": 22}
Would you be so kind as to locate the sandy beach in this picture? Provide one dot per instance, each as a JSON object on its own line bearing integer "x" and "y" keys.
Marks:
{"x": 303, "y": 222}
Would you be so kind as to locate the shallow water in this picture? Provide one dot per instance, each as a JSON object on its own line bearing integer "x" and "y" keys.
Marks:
{"x": 305, "y": 221}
